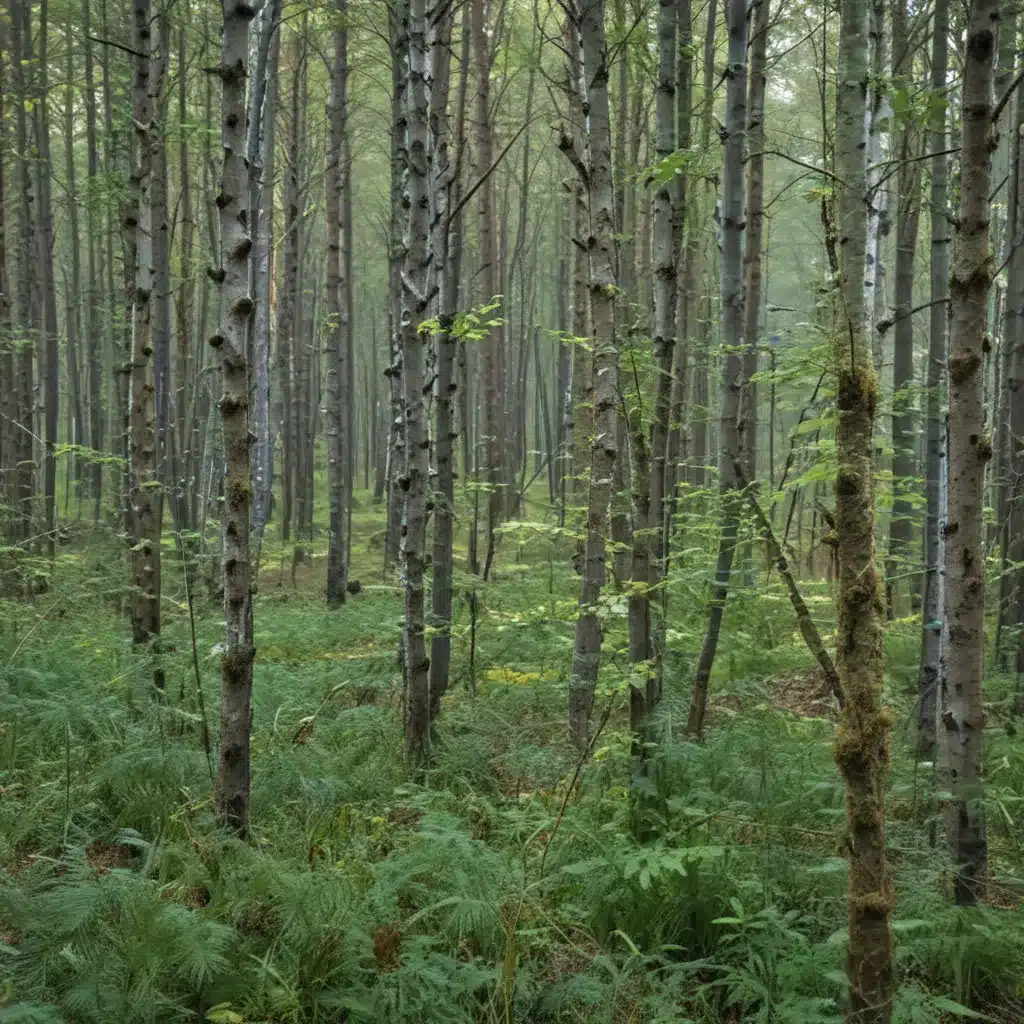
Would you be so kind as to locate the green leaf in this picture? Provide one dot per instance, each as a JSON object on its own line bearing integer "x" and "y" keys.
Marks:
{"x": 957, "y": 1009}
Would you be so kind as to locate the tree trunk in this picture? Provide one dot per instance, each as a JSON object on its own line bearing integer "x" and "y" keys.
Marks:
{"x": 145, "y": 498}
{"x": 487, "y": 245}
{"x": 232, "y": 344}
{"x": 961, "y": 709}
{"x": 398, "y": 29}
{"x": 415, "y": 283}
{"x": 260, "y": 147}
{"x": 731, "y": 439}
{"x": 338, "y": 395}
{"x": 448, "y": 254}
{"x": 908, "y": 207}
{"x": 862, "y": 741}
{"x": 934, "y": 440}
{"x": 600, "y": 243}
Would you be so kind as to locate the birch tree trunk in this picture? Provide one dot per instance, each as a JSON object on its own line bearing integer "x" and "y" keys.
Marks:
{"x": 415, "y": 283}
{"x": 232, "y": 344}
{"x": 931, "y": 612}
{"x": 961, "y": 709}
{"x": 447, "y": 257}
{"x": 144, "y": 499}
{"x": 731, "y": 433}
{"x": 398, "y": 32}
{"x": 338, "y": 396}
{"x": 600, "y": 244}
{"x": 862, "y": 747}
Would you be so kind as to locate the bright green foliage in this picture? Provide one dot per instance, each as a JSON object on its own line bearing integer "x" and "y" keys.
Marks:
{"x": 366, "y": 897}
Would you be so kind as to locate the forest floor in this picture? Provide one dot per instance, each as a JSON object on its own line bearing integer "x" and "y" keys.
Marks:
{"x": 492, "y": 889}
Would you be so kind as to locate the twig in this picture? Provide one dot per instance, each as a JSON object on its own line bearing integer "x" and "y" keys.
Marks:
{"x": 575, "y": 778}
{"x": 117, "y": 46}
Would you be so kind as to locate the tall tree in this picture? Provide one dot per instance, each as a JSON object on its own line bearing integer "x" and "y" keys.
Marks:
{"x": 144, "y": 499}
{"x": 961, "y": 707}
{"x": 731, "y": 430}
{"x": 931, "y": 611}
{"x": 491, "y": 356}
{"x": 600, "y": 242}
{"x": 415, "y": 299}
{"x": 231, "y": 343}
{"x": 862, "y": 749}
{"x": 338, "y": 397}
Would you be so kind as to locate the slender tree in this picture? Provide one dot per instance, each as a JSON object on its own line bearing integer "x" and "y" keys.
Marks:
{"x": 961, "y": 707}
{"x": 731, "y": 429}
{"x": 600, "y": 242}
{"x": 862, "y": 744}
{"x": 231, "y": 342}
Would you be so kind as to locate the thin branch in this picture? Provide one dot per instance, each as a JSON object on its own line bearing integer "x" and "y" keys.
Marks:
{"x": 470, "y": 192}
{"x": 1005, "y": 98}
{"x": 799, "y": 163}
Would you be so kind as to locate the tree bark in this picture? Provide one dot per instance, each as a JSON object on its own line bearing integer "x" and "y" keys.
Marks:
{"x": 494, "y": 426}
{"x": 961, "y": 709}
{"x": 931, "y": 612}
{"x": 908, "y": 207}
{"x": 338, "y": 396}
{"x": 145, "y": 501}
{"x": 232, "y": 344}
{"x": 862, "y": 743}
{"x": 600, "y": 244}
{"x": 731, "y": 433}
{"x": 415, "y": 299}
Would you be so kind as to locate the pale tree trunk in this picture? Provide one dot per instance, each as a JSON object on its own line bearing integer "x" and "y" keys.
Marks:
{"x": 494, "y": 425}
{"x": 48, "y": 293}
{"x": 731, "y": 433}
{"x": 862, "y": 740}
{"x": 934, "y": 433}
{"x": 877, "y": 195}
{"x": 961, "y": 708}
{"x": 94, "y": 314}
{"x": 260, "y": 145}
{"x": 581, "y": 369}
{"x": 447, "y": 256}
{"x": 649, "y": 493}
{"x": 694, "y": 256}
{"x": 9, "y": 425}
{"x": 144, "y": 499}
{"x": 232, "y": 344}
{"x": 415, "y": 283}
{"x": 753, "y": 246}
{"x": 908, "y": 207}
{"x": 338, "y": 396}
{"x": 586, "y": 657}
{"x": 398, "y": 30}
{"x": 288, "y": 299}
{"x": 684, "y": 226}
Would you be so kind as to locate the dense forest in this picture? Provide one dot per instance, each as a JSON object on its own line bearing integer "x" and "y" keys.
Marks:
{"x": 511, "y": 511}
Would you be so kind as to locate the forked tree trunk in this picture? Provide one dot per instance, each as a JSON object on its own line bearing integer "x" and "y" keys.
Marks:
{"x": 232, "y": 344}
{"x": 415, "y": 282}
{"x": 961, "y": 708}
{"x": 600, "y": 241}
{"x": 338, "y": 440}
{"x": 144, "y": 498}
{"x": 862, "y": 743}
{"x": 731, "y": 434}
{"x": 931, "y": 612}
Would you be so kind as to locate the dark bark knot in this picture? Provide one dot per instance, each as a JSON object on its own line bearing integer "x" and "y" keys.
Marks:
{"x": 980, "y": 45}
{"x": 963, "y": 366}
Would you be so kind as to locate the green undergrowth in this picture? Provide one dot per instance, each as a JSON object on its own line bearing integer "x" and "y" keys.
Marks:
{"x": 487, "y": 890}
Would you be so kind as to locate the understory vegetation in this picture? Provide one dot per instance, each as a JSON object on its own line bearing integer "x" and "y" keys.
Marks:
{"x": 513, "y": 880}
